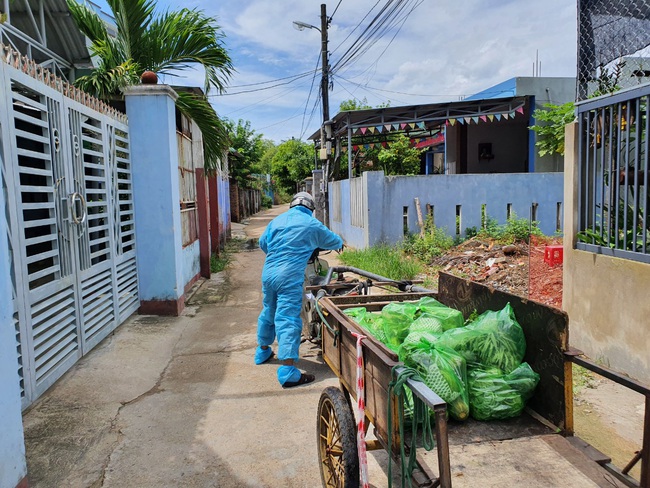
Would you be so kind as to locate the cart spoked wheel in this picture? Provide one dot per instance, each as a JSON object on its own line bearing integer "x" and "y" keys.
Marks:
{"x": 337, "y": 441}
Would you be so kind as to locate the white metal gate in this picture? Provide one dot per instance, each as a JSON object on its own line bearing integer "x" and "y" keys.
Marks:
{"x": 67, "y": 178}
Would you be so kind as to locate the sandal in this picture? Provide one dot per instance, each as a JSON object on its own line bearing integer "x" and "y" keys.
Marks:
{"x": 304, "y": 379}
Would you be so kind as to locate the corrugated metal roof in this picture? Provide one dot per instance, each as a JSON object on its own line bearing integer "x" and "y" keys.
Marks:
{"x": 62, "y": 35}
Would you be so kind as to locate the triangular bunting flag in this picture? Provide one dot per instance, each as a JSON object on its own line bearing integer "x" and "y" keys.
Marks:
{"x": 475, "y": 119}
{"x": 460, "y": 120}
{"x": 498, "y": 116}
{"x": 483, "y": 118}
{"x": 372, "y": 146}
{"x": 512, "y": 115}
{"x": 520, "y": 110}
{"x": 355, "y": 148}
{"x": 383, "y": 144}
{"x": 366, "y": 146}
{"x": 402, "y": 126}
{"x": 364, "y": 130}
{"x": 468, "y": 119}
{"x": 380, "y": 128}
{"x": 412, "y": 125}
{"x": 506, "y": 116}
{"x": 491, "y": 117}
{"x": 371, "y": 129}
{"x": 395, "y": 126}
{"x": 387, "y": 127}
{"x": 344, "y": 149}
{"x": 421, "y": 125}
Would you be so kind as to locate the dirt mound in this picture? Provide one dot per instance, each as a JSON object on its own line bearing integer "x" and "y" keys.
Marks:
{"x": 516, "y": 268}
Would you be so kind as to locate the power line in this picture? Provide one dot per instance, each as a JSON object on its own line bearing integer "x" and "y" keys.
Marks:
{"x": 403, "y": 21}
{"x": 270, "y": 81}
{"x": 337, "y": 7}
{"x": 313, "y": 80}
{"x": 295, "y": 78}
{"x": 395, "y": 15}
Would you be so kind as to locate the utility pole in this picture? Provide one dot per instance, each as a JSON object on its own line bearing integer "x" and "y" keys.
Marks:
{"x": 325, "y": 131}
{"x": 325, "y": 67}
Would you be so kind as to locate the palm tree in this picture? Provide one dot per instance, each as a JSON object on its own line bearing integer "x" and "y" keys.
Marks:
{"x": 162, "y": 43}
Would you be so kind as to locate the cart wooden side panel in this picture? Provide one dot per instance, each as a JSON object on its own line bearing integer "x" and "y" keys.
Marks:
{"x": 547, "y": 337}
{"x": 340, "y": 353}
{"x": 341, "y": 357}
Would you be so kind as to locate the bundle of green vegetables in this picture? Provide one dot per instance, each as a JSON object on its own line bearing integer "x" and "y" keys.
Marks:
{"x": 370, "y": 321}
{"x": 443, "y": 370}
{"x": 495, "y": 395}
{"x": 477, "y": 367}
{"x": 494, "y": 339}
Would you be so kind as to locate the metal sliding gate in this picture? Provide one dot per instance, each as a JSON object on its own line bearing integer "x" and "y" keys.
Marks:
{"x": 66, "y": 174}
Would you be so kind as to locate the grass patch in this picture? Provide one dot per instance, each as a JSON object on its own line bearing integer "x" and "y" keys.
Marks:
{"x": 383, "y": 260}
{"x": 220, "y": 262}
{"x": 582, "y": 378}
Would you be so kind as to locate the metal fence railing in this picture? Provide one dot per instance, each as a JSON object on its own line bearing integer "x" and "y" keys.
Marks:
{"x": 613, "y": 197}
{"x": 612, "y": 35}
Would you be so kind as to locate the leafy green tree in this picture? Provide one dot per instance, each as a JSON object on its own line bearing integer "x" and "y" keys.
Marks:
{"x": 354, "y": 104}
{"x": 400, "y": 158}
{"x": 549, "y": 127}
{"x": 292, "y": 162}
{"x": 265, "y": 164}
{"x": 250, "y": 148}
{"x": 162, "y": 43}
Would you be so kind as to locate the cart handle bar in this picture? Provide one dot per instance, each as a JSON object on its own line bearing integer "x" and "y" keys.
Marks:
{"x": 402, "y": 285}
{"x": 424, "y": 393}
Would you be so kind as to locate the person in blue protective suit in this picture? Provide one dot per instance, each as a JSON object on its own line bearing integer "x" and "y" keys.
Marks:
{"x": 288, "y": 241}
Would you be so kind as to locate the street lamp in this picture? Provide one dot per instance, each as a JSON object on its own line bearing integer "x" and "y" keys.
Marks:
{"x": 301, "y": 26}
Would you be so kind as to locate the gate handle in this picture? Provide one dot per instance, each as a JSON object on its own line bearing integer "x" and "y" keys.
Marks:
{"x": 74, "y": 197}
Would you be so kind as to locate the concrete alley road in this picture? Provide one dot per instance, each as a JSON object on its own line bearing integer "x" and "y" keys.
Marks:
{"x": 178, "y": 401}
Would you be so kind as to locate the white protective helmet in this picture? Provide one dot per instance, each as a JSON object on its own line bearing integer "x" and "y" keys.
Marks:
{"x": 303, "y": 198}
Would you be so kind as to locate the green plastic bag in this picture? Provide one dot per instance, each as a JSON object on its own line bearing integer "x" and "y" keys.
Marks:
{"x": 427, "y": 323}
{"x": 448, "y": 317}
{"x": 397, "y": 317}
{"x": 370, "y": 321}
{"x": 357, "y": 313}
{"x": 442, "y": 370}
{"x": 494, "y": 395}
{"x": 494, "y": 339}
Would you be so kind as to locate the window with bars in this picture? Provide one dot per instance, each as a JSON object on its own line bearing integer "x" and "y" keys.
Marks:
{"x": 613, "y": 196}
{"x": 187, "y": 182}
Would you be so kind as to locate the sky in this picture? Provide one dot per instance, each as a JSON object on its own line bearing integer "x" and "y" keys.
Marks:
{"x": 437, "y": 51}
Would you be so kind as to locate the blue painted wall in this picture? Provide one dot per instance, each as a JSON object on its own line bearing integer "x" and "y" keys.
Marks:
{"x": 154, "y": 152}
{"x": 12, "y": 445}
{"x": 223, "y": 185}
{"x": 191, "y": 261}
{"x": 352, "y": 235}
{"x": 386, "y": 198}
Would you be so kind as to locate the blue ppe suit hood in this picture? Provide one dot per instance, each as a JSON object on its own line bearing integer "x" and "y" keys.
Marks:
{"x": 288, "y": 241}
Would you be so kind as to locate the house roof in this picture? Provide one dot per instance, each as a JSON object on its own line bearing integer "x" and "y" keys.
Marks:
{"x": 427, "y": 116}
{"x": 63, "y": 36}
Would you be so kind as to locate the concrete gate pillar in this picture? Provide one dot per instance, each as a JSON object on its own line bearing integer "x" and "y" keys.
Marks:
{"x": 154, "y": 154}
{"x": 13, "y": 467}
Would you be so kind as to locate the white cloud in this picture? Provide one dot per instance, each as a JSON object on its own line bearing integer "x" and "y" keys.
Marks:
{"x": 445, "y": 49}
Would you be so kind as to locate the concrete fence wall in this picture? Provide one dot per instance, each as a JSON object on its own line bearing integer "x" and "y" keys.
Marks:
{"x": 389, "y": 203}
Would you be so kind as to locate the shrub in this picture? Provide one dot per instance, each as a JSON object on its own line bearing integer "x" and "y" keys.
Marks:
{"x": 267, "y": 201}
{"x": 434, "y": 242}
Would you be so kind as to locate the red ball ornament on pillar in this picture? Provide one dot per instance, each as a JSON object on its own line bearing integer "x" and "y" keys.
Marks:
{"x": 149, "y": 78}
